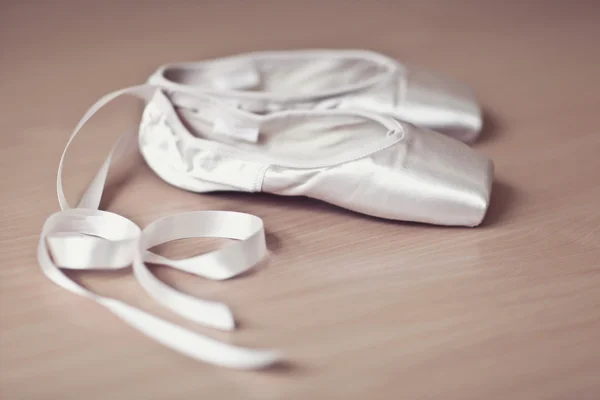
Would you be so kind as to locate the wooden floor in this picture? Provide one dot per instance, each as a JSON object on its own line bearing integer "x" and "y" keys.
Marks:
{"x": 362, "y": 308}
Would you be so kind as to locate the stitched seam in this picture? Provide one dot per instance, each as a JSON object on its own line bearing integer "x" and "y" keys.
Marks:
{"x": 260, "y": 178}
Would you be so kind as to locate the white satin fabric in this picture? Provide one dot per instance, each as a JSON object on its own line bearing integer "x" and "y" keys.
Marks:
{"x": 87, "y": 238}
{"x": 423, "y": 177}
{"x": 269, "y": 81}
{"x": 361, "y": 161}
{"x": 352, "y": 158}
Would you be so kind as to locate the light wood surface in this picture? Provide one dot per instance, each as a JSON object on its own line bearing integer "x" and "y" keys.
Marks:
{"x": 362, "y": 308}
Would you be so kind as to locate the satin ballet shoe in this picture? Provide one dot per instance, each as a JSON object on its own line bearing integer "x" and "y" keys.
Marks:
{"x": 263, "y": 82}
{"x": 362, "y": 161}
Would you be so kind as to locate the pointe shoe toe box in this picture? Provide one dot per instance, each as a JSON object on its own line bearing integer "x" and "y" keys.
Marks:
{"x": 440, "y": 103}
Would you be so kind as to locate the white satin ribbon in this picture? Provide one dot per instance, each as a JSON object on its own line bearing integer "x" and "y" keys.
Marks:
{"x": 88, "y": 238}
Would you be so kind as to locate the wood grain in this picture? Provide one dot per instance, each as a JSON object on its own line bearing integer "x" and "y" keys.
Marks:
{"x": 363, "y": 308}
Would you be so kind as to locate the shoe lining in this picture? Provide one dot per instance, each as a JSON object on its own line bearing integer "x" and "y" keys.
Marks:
{"x": 296, "y": 137}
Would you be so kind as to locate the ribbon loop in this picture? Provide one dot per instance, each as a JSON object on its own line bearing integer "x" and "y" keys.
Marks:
{"x": 224, "y": 263}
